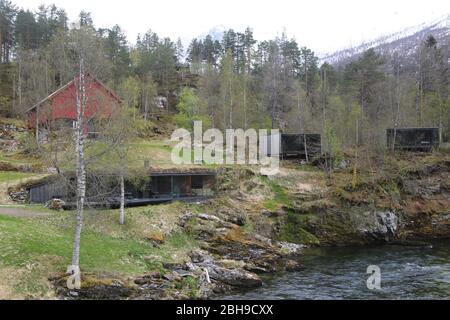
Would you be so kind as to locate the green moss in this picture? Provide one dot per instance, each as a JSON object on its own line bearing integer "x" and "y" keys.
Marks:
{"x": 280, "y": 198}
{"x": 271, "y": 204}
{"x": 180, "y": 240}
{"x": 249, "y": 227}
{"x": 190, "y": 284}
{"x": 293, "y": 230}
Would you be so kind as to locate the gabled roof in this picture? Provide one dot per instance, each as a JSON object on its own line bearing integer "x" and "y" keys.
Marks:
{"x": 54, "y": 94}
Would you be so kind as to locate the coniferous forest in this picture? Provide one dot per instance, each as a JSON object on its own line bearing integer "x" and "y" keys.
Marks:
{"x": 237, "y": 82}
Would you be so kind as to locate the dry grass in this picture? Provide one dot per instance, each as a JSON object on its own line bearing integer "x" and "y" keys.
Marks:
{"x": 8, "y": 279}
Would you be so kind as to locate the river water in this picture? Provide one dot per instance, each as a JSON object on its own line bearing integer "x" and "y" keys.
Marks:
{"x": 341, "y": 273}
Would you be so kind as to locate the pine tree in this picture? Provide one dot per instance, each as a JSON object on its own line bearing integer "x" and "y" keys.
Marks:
{"x": 7, "y": 15}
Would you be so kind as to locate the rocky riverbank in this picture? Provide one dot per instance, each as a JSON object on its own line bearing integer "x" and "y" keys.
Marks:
{"x": 407, "y": 202}
{"x": 227, "y": 260}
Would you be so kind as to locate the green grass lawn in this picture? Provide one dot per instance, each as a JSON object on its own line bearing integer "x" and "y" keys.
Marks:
{"x": 43, "y": 246}
{"x": 12, "y": 176}
{"x": 157, "y": 152}
{"x": 27, "y": 240}
{"x": 19, "y": 159}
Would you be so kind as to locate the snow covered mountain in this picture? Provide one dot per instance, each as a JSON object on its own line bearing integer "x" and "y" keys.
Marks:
{"x": 215, "y": 32}
{"x": 403, "y": 43}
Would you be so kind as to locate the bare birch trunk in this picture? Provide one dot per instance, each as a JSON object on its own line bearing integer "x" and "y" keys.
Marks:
{"x": 245, "y": 103}
{"x": 302, "y": 126}
{"x": 37, "y": 126}
{"x": 231, "y": 105}
{"x": 19, "y": 83}
{"x": 328, "y": 162}
{"x": 81, "y": 170}
{"x": 146, "y": 106}
{"x": 122, "y": 200}
{"x": 397, "y": 115}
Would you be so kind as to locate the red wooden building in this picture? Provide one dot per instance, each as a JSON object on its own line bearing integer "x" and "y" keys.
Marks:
{"x": 59, "y": 110}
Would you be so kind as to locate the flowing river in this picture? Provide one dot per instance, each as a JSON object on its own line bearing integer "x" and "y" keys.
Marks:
{"x": 341, "y": 273}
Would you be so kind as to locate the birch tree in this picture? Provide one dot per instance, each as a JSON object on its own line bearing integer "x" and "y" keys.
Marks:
{"x": 86, "y": 48}
{"x": 123, "y": 127}
{"x": 81, "y": 100}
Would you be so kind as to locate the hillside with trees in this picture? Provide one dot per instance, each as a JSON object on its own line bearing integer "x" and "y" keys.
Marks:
{"x": 239, "y": 82}
{"x": 359, "y": 191}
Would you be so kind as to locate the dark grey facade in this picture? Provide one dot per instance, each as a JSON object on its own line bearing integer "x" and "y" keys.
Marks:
{"x": 104, "y": 190}
{"x": 413, "y": 139}
{"x": 44, "y": 192}
{"x": 300, "y": 146}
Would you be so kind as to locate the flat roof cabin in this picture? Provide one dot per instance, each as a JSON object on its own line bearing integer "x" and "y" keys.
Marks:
{"x": 103, "y": 191}
{"x": 295, "y": 145}
{"x": 413, "y": 139}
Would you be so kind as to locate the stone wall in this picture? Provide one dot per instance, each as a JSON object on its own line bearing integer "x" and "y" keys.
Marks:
{"x": 19, "y": 196}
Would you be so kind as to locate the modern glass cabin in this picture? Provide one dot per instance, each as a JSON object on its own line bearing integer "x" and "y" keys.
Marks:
{"x": 103, "y": 190}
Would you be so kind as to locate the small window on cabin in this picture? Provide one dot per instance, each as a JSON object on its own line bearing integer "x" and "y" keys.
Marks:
{"x": 197, "y": 185}
{"x": 208, "y": 185}
{"x": 182, "y": 186}
{"x": 91, "y": 126}
{"x": 60, "y": 124}
{"x": 164, "y": 185}
{"x": 197, "y": 182}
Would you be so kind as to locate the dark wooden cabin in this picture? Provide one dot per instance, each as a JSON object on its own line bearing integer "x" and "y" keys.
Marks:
{"x": 103, "y": 190}
{"x": 296, "y": 145}
{"x": 413, "y": 139}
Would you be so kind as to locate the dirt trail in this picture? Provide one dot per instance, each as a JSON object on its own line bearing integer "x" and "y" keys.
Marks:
{"x": 22, "y": 213}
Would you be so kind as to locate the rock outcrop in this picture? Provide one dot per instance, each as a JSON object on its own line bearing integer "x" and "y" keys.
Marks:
{"x": 233, "y": 258}
{"x": 379, "y": 225}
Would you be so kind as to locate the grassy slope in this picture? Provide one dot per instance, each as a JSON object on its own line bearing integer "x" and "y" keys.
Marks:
{"x": 35, "y": 248}
{"x": 284, "y": 189}
{"x": 12, "y": 176}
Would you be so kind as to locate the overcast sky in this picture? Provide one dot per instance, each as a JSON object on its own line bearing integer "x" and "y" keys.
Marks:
{"x": 322, "y": 25}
